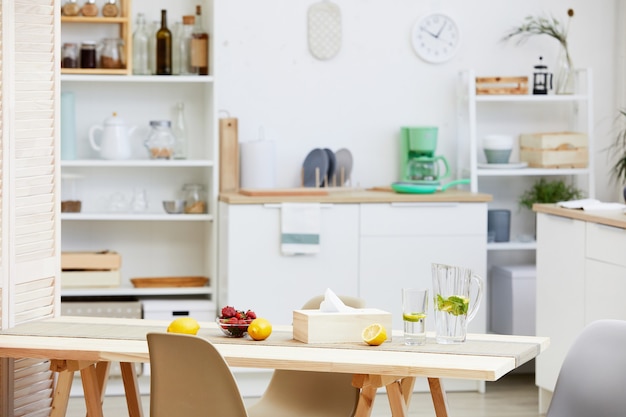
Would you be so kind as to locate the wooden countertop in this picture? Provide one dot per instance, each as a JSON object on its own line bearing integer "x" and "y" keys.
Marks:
{"x": 374, "y": 195}
{"x": 616, "y": 218}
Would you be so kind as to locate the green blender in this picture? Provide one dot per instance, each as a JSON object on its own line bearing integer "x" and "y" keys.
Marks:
{"x": 418, "y": 162}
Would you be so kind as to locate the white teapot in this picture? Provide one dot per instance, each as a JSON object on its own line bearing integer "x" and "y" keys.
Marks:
{"x": 115, "y": 138}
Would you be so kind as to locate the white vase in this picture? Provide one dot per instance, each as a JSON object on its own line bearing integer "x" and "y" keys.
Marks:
{"x": 565, "y": 77}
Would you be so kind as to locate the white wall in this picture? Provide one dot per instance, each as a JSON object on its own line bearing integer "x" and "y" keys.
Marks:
{"x": 266, "y": 77}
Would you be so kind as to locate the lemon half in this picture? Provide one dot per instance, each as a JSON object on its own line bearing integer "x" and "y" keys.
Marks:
{"x": 374, "y": 334}
{"x": 186, "y": 325}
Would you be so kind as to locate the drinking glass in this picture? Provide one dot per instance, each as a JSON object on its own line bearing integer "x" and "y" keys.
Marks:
{"x": 414, "y": 307}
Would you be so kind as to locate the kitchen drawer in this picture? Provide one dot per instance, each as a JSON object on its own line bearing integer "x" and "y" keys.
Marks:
{"x": 411, "y": 219}
{"x": 606, "y": 243}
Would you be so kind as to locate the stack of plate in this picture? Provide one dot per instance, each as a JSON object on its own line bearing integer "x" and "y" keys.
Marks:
{"x": 325, "y": 168}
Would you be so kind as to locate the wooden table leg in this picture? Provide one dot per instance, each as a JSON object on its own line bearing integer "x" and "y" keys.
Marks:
{"x": 102, "y": 376}
{"x": 366, "y": 401}
{"x": 62, "y": 393}
{"x": 438, "y": 395}
{"x": 131, "y": 388}
{"x": 399, "y": 393}
{"x": 91, "y": 390}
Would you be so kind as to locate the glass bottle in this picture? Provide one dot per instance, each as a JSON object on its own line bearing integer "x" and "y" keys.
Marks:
{"x": 200, "y": 45}
{"x": 140, "y": 47}
{"x": 70, "y": 8}
{"x": 152, "y": 30}
{"x": 195, "y": 199}
{"x": 164, "y": 47}
{"x": 180, "y": 131}
{"x": 184, "y": 46}
{"x": 110, "y": 9}
{"x": 176, "y": 34}
{"x": 89, "y": 9}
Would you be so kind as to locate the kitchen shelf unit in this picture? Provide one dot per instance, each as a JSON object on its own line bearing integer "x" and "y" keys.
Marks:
{"x": 152, "y": 243}
{"x": 514, "y": 114}
{"x": 124, "y": 32}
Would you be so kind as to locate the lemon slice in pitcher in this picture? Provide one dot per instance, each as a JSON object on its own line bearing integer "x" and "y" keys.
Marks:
{"x": 413, "y": 317}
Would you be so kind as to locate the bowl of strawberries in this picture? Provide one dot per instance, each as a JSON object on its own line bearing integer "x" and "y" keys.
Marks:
{"x": 233, "y": 322}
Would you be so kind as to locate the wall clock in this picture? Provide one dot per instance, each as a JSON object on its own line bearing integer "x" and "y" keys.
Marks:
{"x": 436, "y": 37}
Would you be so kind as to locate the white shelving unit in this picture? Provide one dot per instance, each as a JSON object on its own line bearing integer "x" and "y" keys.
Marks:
{"x": 480, "y": 115}
{"x": 152, "y": 243}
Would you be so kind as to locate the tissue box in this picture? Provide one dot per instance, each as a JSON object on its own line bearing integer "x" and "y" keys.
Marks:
{"x": 315, "y": 326}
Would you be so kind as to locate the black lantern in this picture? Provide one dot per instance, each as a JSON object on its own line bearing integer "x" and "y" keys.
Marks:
{"x": 542, "y": 79}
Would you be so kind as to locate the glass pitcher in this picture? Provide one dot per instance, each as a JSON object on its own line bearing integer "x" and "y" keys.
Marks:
{"x": 453, "y": 307}
{"x": 112, "y": 53}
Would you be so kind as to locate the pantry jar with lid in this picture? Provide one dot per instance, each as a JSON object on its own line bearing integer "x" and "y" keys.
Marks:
{"x": 195, "y": 199}
{"x": 161, "y": 140}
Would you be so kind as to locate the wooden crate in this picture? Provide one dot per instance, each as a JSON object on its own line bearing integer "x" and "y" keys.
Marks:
{"x": 554, "y": 150}
{"x": 315, "y": 326}
{"x": 86, "y": 261}
{"x": 501, "y": 85}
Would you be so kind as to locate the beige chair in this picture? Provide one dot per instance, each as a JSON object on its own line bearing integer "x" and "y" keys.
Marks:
{"x": 309, "y": 394}
{"x": 190, "y": 378}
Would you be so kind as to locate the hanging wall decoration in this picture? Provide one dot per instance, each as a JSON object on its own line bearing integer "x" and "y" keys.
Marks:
{"x": 324, "y": 30}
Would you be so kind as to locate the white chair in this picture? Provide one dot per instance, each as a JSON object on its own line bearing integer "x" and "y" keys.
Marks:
{"x": 309, "y": 394}
{"x": 592, "y": 380}
{"x": 190, "y": 378}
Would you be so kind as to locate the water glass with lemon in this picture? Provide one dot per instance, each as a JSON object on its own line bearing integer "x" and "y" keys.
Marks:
{"x": 414, "y": 309}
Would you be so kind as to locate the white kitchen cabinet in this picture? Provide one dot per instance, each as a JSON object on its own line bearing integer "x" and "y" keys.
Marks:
{"x": 581, "y": 277}
{"x": 560, "y": 291}
{"x": 152, "y": 243}
{"x": 253, "y": 272}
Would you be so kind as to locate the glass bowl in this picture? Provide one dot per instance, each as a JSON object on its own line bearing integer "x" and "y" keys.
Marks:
{"x": 233, "y": 327}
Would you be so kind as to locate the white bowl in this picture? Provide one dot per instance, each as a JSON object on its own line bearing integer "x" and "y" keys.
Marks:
{"x": 498, "y": 142}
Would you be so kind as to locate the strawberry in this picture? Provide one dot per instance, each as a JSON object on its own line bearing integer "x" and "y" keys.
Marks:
{"x": 251, "y": 314}
{"x": 228, "y": 312}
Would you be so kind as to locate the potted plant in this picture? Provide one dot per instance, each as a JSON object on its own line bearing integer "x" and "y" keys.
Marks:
{"x": 617, "y": 153}
{"x": 548, "y": 192}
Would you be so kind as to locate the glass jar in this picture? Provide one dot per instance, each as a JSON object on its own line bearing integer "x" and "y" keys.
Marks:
{"x": 88, "y": 54}
{"x": 195, "y": 199}
{"x": 110, "y": 9}
{"x": 69, "y": 56}
{"x": 161, "y": 140}
{"x": 112, "y": 55}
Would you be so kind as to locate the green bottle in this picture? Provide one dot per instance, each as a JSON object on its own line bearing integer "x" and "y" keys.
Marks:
{"x": 164, "y": 47}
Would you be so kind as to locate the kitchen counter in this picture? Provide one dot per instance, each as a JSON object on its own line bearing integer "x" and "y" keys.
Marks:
{"x": 615, "y": 218}
{"x": 375, "y": 195}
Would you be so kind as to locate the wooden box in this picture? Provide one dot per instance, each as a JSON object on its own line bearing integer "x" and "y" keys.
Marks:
{"x": 90, "y": 279}
{"x": 554, "y": 150}
{"x": 86, "y": 261}
{"x": 501, "y": 85}
{"x": 315, "y": 326}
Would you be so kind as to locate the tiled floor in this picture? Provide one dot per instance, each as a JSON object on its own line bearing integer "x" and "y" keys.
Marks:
{"x": 514, "y": 395}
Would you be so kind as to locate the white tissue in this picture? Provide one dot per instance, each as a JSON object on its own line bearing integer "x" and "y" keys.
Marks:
{"x": 332, "y": 303}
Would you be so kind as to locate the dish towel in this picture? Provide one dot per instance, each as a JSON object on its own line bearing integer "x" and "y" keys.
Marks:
{"x": 590, "y": 204}
{"x": 300, "y": 228}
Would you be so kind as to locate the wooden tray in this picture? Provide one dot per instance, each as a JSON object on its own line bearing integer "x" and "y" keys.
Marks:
{"x": 160, "y": 282}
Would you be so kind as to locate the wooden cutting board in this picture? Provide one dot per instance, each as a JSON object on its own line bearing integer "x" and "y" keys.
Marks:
{"x": 229, "y": 155}
{"x": 277, "y": 192}
{"x": 160, "y": 282}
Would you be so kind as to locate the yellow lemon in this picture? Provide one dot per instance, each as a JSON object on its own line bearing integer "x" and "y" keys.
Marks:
{"x": 374, "y": 334}
{"x": 260, "y": 329}
{"x": 185, "y": 325}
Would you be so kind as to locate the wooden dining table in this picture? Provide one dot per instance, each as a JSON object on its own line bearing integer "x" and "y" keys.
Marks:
{"x": 89, "y": 344}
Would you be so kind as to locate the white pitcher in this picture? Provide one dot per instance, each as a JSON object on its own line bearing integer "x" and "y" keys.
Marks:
{"x": 115, "y": 138}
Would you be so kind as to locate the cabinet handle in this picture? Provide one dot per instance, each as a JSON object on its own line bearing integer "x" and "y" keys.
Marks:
{"x": 416, "y": 204}
{"x": 277, "y": 206}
